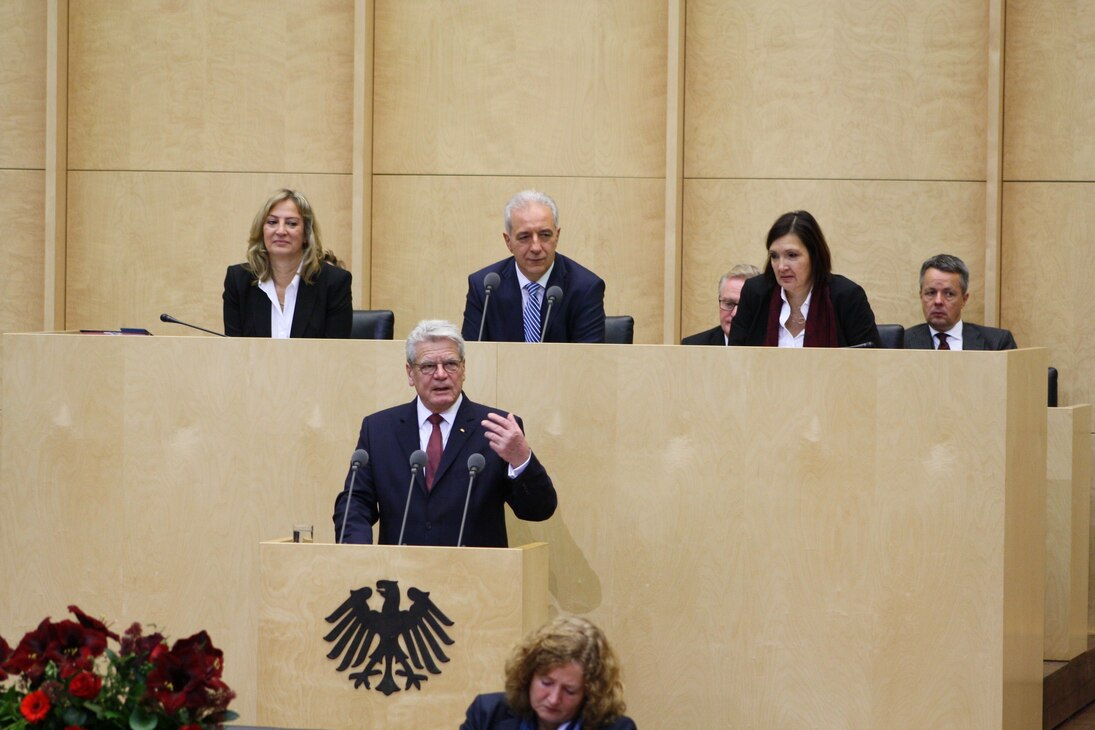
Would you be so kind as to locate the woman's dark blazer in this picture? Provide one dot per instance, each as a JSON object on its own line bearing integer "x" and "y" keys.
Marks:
{"x": 854, "y": 317}
{"x": 491, "y": 712}
{"x": 324, "y": 308}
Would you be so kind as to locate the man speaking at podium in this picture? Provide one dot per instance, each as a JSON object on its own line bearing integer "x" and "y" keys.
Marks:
{"x": 441, "y": 468}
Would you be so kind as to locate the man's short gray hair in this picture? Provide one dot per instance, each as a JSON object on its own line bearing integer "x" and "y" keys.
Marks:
{"x": 523, "y": 199}
{"x": 741, "y": 271}
{"x": 431, "y": 330}
{"x": 948, "y": 264}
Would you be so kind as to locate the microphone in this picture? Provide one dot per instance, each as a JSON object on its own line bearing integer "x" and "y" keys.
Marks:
{"x": 359, "y": 459}
{"x": 418, "y": 463}
{"x": 476, "y": 462}
{"x": 490, "y": 283}
{"x": 554, "y": 294}
{"x": 860, "y": 346}
{"x": 172, "y": 320}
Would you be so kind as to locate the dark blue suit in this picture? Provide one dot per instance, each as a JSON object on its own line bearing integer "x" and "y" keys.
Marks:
{"x": 492, "y": 712}
{"x": 323, "y": 308}
{"x": 578, "y": 317}
{"x": 380, "y": 491}
{"x": 974, "y": 337}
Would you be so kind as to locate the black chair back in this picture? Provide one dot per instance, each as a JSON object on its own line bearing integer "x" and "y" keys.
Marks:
{"x": 892, "y": 336}
{"x": 619, "y": 329}
{"x": 373, "y": 324}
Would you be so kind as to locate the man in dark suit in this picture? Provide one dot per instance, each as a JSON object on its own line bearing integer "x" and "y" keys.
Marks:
{"x": 729, "y": 293}
{"x": 519, "y": 304}
{"x": 449, "y": 428}
{"x": 944, "y": 291}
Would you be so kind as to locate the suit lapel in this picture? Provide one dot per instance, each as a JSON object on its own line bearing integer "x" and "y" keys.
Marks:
{"x": 507, "y": 327}
{"x": 258, "y": 311}
{"x": 463, "y": 426}
{"x": 407, "y": 438}
{"x": 558, "y": 278}
{"x": 306, "y": 302}
{"x": 972, "y": 338}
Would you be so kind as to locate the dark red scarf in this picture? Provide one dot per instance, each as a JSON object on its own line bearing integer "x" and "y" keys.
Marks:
{"x": 820, "y": 322}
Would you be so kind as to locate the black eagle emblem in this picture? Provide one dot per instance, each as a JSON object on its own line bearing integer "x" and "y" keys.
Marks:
{"x": 397, "y": 638}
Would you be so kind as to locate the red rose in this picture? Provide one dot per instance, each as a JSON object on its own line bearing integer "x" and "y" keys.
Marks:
{"x": 191, "y": 727}
{"x": 85, "y": 685}
{"x": 35, "y": 706}
{"x": 73, "y": 727}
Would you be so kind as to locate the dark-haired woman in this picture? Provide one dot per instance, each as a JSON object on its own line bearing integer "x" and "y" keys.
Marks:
{"x": 798, "y": 301}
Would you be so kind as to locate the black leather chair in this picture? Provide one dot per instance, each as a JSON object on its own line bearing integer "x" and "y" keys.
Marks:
{"x": 892, "y": 336}
{"x": 620, "y": 329}
{"x": 373, "y": 324}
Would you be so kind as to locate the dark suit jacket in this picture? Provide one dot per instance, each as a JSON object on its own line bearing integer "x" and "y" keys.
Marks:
{"x": 974, "y": 337}
{"x": 578, "y": 317}
{"x": 324, "y": 308}
{"x": 855, "y": 319}
{"x": 712, "y": 336}
{"x": 492, "y": 712}
{"x": 380, "y": 489}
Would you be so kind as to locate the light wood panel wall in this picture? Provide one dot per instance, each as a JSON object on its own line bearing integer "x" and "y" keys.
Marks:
{"x": 1068, "y": 517}
{"x": 842, "y": 89}
{"x": 142, "y": 243}
{"x": 1049, "y": 130}
{"x": 569, "y": 88}
{"x": 1049, "y": 166}
{"x": 245, "y": 86}
{"x": 21, "y": 209}
{"x": 848, "y": 573}
{"x": 22, "y": 161}
{"x": 1048, "y": 229}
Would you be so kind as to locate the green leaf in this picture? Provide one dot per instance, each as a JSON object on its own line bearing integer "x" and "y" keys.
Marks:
{"x": 74, "y": 716}
{"x": 142, "y": 720}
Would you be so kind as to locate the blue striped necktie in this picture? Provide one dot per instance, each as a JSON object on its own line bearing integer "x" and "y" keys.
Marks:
{"x": 532, "y": 312}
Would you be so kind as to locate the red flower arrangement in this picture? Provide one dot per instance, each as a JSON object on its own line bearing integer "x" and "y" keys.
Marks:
{"x": 65, "y": 676}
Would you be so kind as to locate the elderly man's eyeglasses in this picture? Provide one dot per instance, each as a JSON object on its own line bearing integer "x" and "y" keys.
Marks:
{"x": 429, "y": 367}
{"x": 727, "y": 305}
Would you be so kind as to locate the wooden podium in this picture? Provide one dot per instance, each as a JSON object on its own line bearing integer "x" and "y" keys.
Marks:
{"x": 492, "y": 597}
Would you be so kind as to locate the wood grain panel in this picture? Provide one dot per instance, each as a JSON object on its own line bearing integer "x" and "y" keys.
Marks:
{"x": 1049, "y": 91}
{"x": 483, "y": 592}
{"x": 494, "y": 87}
{"x": 1068, "y": 514}
{"x": 242, "y": 86}
{"x": 49, "y": 532}
{"x": 144, "y": 243}
{"x": 847, "y": 89}
{"x": 430, "y": 233}
{"x": 848, "y": 573}
{"x": 879, "y": 234}
{"x": 1046, "y": 274}
{"x": 22, "y": 202}
{"x": 23, "y": 84}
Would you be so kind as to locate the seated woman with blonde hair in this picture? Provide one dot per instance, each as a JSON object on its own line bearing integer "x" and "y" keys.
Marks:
{"x": 563, "y": 676}
{"x": 287, "y": 287}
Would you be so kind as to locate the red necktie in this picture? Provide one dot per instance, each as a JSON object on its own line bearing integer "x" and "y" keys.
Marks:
{"x": 942, "y": 341}
{"x": 433, "y": 450}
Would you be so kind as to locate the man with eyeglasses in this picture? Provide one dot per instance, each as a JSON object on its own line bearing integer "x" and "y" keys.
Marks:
{"x": 448, "y": 427}
{"x": 944, "y": 290}
{"x": 729, "y": 293}
{"x": 518, "y": 308}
